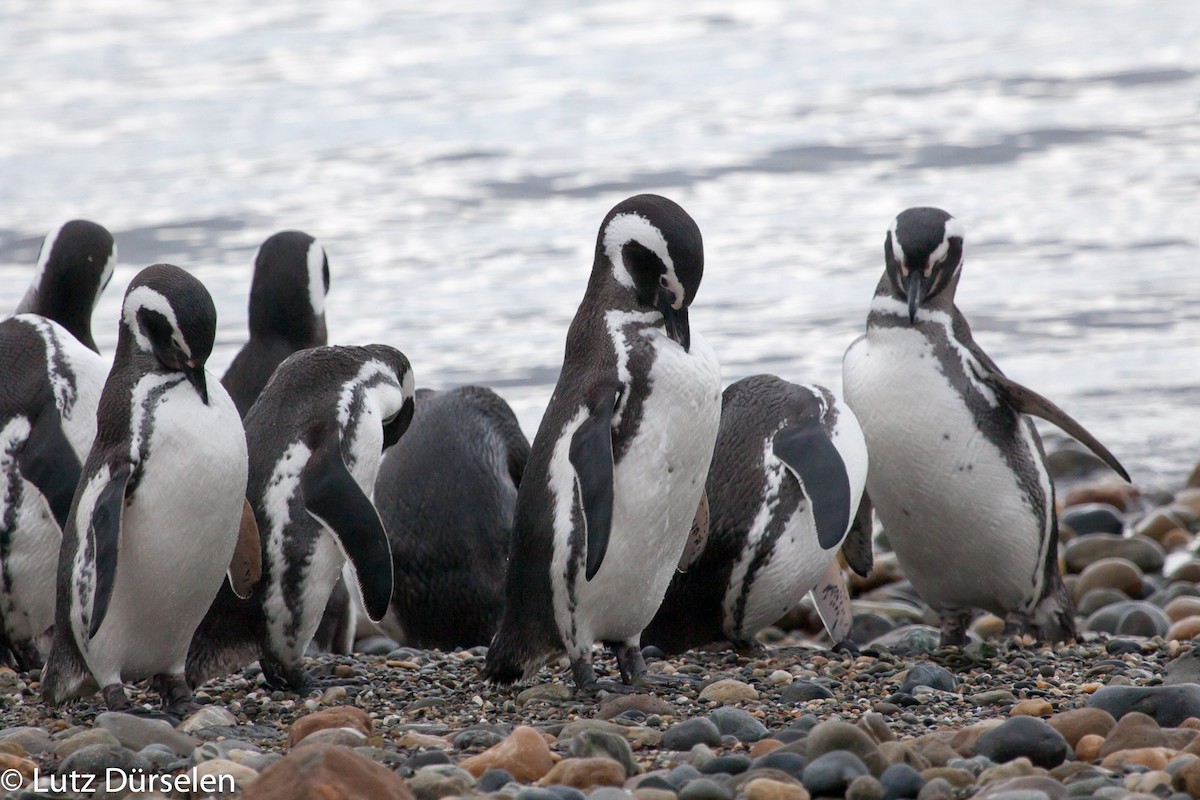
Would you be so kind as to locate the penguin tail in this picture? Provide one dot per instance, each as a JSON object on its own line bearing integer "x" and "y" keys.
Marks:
{"x": 66, "y": 675}
{"x": 509, "y": 659}
{"x": 1054, "y": 615}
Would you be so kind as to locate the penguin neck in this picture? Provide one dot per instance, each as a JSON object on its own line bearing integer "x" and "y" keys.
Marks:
{"x": 889, "y": 300}
{"x": 287, "y": 322}
{"x": 605, "y": 293}
{"x": 66, "y": 302}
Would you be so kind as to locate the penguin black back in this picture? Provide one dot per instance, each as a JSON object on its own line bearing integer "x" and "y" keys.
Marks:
{"x": 446, "y": 494}
{"x": 287, "y": 312}
{"x": 74, "y": 266}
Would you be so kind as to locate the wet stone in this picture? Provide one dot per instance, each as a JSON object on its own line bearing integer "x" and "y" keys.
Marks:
{"x": 830, "y": 775}
{"x": 1027, "y": 737}
{"x": 738, "y": 723}
{"x": 804, "y": 691}
{"x": 931, "y": 675}
{"x": 689, "y": 733}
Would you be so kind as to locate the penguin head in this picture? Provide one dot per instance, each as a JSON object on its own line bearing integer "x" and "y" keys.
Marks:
{"x": 74, "y": 266}
{"x": 169, "y": 315}
{"x": 287, "y": 294}
{"x": 923, "y": 252}
{"x": 654, "y": 249}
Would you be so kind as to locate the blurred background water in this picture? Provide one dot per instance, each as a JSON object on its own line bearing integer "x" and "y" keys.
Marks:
{"x": 456, "y": 158}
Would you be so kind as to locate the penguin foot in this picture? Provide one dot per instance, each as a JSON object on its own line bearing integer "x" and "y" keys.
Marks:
{"x": 175, "y": 694}
{"x": 848, "y": 647}
{"x": 115, "y": 698}
{"x": 586, "y": 682}
{"x": 1016, "y": 623}
{"x": 954, "y": 628}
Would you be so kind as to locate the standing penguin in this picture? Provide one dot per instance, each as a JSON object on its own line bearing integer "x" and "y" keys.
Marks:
{"x": 287, "y": 312}
{"x": 316, "y": 436}
{"x": 784, "y": 492}
{"x": 155, "y": 517}
{"x": 48, "y": 396}
{"x": 616, "y": 472}
{"x": 52, "y": 377}
{"x": 957, "y": 470}
{"x": 74, "y": 265}
{"x": 446, "y": 493}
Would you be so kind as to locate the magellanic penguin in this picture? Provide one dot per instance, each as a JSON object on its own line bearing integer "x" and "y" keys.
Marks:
{"x": 159, "y": 506}
{"x": 957, "y": 471}
{"x": 316, "y": 435}
{"x": 784, "y": 494}
{"x": 51, "y": 385}
{"x": 616, "y": 472}
{"x": 48, "y": 396}
{"x": 446, "y": 493}
{"x": 287, "y": 312}
{"x": 74, "y": 265}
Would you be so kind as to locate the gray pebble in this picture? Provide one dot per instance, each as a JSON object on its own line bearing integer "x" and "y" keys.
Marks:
{"x": 931, "y": 675}
{"x": 830, "y": 774}
{"x": 691, "y": 732}
{"x": 704, "y": 789}
{"x": 738, "y": 723}
{"x": 1028, "y": 737}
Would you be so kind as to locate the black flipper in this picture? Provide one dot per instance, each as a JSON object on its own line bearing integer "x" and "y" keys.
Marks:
{"x": 857, "y": 548}
{"x": 335, "y": 499}
{"x": 105, "y": 535}
{"x": 805, "y": 448}
{"x": 49, "y": 462}
{"x": 592, "y": 457}
{"x": 245, "y": 567}
{"x": 1030, "y": 402}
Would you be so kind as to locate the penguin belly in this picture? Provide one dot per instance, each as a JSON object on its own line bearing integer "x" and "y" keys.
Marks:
{"x": 761, "y": 591}
{"x": 30, "y": 559}
{"x": 177, "y": 537}
{"x": 656, "y": 488}
{"x": 961, "y": 526}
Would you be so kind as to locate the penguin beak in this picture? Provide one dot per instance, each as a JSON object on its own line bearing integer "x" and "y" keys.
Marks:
{"x": 675, "y": 318}
{"x": 195, "y": 376}
{"x": 913, "y": 287}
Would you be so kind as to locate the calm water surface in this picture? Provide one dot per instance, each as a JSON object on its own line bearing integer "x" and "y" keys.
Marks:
{"x": 455, "y": 159}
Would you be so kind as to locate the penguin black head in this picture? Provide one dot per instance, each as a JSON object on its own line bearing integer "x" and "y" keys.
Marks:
{"x": 287, "y": 295}
{"x": 169, "y": 314}
{"x": 74, "y": 266}
{"x": 654, "y": 249}
{"x": 923, "y": 252}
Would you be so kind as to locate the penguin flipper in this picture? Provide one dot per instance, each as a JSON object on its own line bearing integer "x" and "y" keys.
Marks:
{"x": 832, "y": 599}
{"x": 591, "y": 455}
{"x": 48, "y": 461}
{"x": 697, "y": 537}
{"x": 334, "y": 498}
{"x": 808, "y": 452}
{"x": 245, "y": 569}
{"x": 105, "y": 534}
{"x": 857, "y": 548}
{"x": 1027, "y": 401}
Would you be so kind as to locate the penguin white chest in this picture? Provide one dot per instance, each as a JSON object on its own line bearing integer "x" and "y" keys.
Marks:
{"x": 950, "y": 502}
{"x": 657, "y": 485}
{"x": 177, "y": 532}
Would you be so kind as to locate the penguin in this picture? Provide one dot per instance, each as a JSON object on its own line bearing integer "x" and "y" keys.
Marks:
{"x": 616, "y": 471}
{"x": 446, "y": 493}
{"x": 48, "y": 400}
{"x": 785, "y": 491}
{"x": 74, "y": 266}
{"x": 316, "y": 436}
{"x": 957, "y": 470}
{"x": 158, "y": 510}
{"x": 287, "y": 312}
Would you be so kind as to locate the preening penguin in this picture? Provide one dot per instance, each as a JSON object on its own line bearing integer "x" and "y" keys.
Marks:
{"x": 616, "y": 472}
{"x": 784, "y": 493}
{"x": 287, "y": 312}
{"x": 155, "y": 517}
{"x": 48, "y": 397}
{"x": 315, "y": 435}
{"x": 74, "y": 265}
{"x": 446, "y": 493}
{"x": 957, "y": 470}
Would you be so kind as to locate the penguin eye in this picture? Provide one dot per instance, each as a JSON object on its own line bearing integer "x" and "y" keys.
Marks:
{"x": 391, "y": 419}
{"x": 663, "y": 282}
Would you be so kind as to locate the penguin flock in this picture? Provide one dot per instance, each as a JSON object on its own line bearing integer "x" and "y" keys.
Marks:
{"x": 159, "y": 525}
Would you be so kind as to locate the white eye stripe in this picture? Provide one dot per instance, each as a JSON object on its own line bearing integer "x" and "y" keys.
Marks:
{"x": 147, "y": 298}
{"x": 625, "y": 228}
{"x": 316, "y": 278}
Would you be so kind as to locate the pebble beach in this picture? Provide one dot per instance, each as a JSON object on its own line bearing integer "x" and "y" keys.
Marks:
{"x": 1115, "y": 714}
